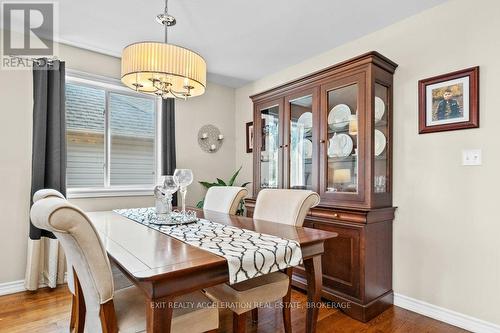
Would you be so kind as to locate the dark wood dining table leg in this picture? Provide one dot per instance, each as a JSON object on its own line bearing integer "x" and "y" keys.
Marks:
{"x": 159, "y": 315}
{"x": 239, "y": 322}
{"x": 314, "y": 277}
{"x": 287, "y": 315}
{"x": 78, "y": 309}
{"x": 255, "y": 315}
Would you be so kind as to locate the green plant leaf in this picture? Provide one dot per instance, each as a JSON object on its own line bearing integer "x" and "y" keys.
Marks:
{"x": 245, "y": 184}
{"x": 200, "y": 204}
{"x": 241, "y": 209}
{"x": 207, "y": 184}
{"x": 221, "y": 182}
{"x": 233, "y": 178}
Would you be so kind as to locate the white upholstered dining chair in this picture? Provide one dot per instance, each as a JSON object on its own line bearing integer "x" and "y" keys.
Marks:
{"x": 284, "y": 206}
{"x": 107, "y": 310}
{"x": 279, "y": 206}
{"x": 47, "y": 193}
{"x": 224, "y": 199}
{"x": 76, "y": 323}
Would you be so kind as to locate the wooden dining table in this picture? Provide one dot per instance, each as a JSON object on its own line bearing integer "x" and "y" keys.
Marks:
{"x": 164, "y": 267}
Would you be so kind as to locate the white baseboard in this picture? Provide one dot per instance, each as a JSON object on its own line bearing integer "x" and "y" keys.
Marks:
{"x": 448, "y": 316}
{"x": 11, "y": 287}
{"x": 15, "y": 287}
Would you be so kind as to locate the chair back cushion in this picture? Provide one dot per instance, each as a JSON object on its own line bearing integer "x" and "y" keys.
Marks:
{"x": 82, "y": 246}
{"x": 45, "y": 193}
{"x": 224, "y": 199}
{"x": 284, "y": 206}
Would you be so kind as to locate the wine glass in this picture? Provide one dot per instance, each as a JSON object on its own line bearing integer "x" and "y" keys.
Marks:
{"x": 161, "y": 181}
{"x": 169, "y": 185}
{"x": 183, "y": 178}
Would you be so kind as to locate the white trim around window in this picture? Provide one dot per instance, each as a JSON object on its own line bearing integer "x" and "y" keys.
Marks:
{"x": 114, "y": 85}
{"x": 74, "y": 193}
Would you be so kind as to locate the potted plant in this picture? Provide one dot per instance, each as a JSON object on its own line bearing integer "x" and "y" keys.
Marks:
{"x": 220, "y": 182}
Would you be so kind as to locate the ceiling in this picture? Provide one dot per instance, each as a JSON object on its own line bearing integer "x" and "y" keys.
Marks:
{"x": 240, "y": 40}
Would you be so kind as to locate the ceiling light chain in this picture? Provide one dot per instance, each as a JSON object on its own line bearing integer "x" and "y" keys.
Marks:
{"x": 166, "y": 25}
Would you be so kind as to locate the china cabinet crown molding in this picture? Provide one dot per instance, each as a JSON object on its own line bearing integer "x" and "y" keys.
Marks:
{"x": 372, "y": 57}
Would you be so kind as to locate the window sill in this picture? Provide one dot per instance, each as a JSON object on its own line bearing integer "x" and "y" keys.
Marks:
{"x": 76, "y": 193}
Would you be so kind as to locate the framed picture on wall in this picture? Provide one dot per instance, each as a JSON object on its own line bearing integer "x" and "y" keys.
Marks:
{"x": 449, "y": 102}
{"x": 249, "y": 137}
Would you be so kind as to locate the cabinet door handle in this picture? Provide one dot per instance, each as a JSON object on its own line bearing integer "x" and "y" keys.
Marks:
{"x": 322, "y": 141}
{"x": 285, "y": 146}
{"x": 335, "y": 215}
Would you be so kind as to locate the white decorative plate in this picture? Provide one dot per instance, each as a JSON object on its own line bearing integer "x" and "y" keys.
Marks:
{"x": 379, "y": 108}
{"x": 340, "y": 145}
{"x": 380, "y": 142}
{"x": 308, "y": 148}
{"x": 306, "y": 120}
{"x": 339, "y": 116}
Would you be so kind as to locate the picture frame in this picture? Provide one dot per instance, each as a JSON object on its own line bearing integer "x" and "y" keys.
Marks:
{"x": 249, "y": 136}
{"x": 449, "y": 102}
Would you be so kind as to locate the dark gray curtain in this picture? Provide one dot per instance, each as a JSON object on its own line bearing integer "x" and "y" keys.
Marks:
{"x": 49, "y": 132}
{"x": 168, "y": 139}
{"x": 48, "y": 163}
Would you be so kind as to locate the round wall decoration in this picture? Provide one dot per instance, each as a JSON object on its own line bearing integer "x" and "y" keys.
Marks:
{"x": 210, "y": 138}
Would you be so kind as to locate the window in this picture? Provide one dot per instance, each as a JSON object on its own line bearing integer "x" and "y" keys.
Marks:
{"x": 111, "y": 138}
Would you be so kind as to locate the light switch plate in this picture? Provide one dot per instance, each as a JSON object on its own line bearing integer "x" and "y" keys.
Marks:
{"x": 471, "y": 157}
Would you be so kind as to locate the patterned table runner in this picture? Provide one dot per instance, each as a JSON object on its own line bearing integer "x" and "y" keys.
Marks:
{"x": 249, "y": 254}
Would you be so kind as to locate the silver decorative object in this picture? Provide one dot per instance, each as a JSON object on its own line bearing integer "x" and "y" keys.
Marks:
{"x": 174, "y": 218}
{"x": 162, "y": 204}
{"x": 163, "y": 197}
{"x": 210, "y": 138}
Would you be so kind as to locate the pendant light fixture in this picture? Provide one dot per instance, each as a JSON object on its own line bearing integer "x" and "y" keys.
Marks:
{"x": 163, "y": 69}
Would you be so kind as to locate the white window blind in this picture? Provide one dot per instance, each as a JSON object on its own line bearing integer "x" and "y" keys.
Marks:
{"x": 132, "y": 140}
{"x": 85, "y": 107}
{"x": 111, "y": 140}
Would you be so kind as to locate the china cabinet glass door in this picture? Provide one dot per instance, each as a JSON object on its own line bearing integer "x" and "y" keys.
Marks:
{"x": 381, "y": 135}
{"x": 270, "y": 149}
{"x": 342, "y": 138}
{"x": 301, "y": 135}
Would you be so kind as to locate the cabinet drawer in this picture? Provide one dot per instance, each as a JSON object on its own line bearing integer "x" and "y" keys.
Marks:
{"x": 341, "y": 215}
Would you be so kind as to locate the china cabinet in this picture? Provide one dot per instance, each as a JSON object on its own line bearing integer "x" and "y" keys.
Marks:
{"x": 331, "y": 132}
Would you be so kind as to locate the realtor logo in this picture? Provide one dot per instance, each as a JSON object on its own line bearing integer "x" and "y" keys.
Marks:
{"x": 27, "y": 31}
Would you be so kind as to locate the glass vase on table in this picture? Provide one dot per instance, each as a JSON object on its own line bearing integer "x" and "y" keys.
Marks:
{"x": 183, "y": 178}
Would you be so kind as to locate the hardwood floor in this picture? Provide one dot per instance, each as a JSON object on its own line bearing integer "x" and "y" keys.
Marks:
{"x": 48, "y": 311}
{"x": 43, "y": 311}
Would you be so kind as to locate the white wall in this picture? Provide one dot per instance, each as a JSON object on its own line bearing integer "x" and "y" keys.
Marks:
{"x": 446, "y": 229}
{"x": 215, "y": 107}
{"x": 15, "y": 171}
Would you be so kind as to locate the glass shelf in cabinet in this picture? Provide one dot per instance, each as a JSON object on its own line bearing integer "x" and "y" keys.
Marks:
{"x": 343, "y": 158}
{"x": 382, "y": 121}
